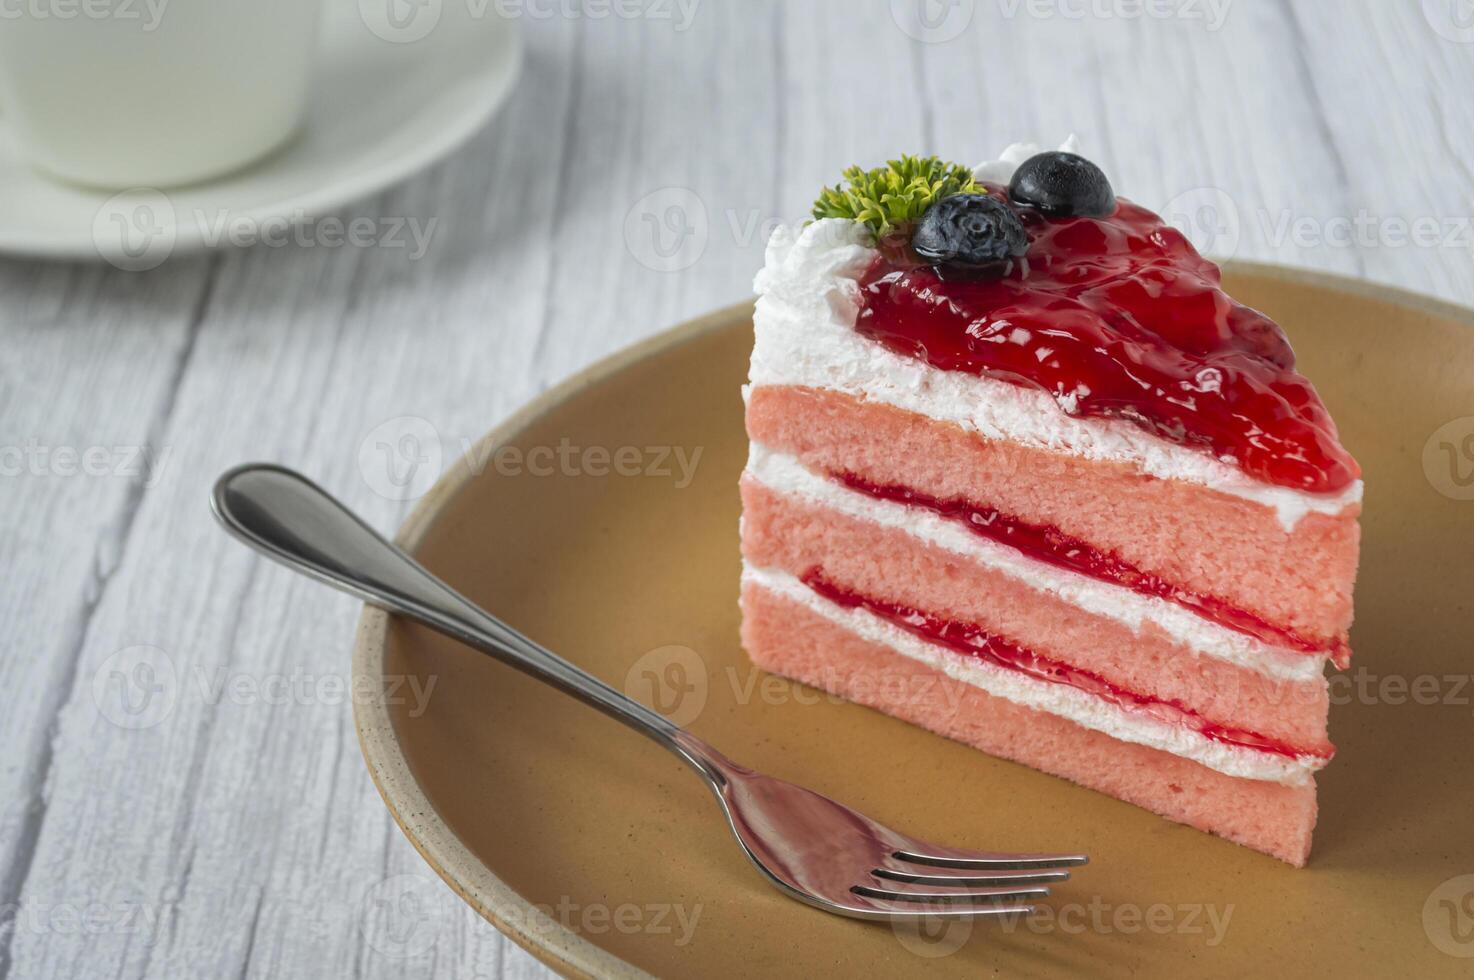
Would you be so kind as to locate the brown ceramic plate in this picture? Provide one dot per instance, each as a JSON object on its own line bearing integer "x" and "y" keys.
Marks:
{"x": 597, "y": 851}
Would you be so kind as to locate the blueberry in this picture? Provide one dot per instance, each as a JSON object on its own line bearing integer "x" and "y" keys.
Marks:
{"x": 970, "y": 231}
{"x": 1062, "y": 184}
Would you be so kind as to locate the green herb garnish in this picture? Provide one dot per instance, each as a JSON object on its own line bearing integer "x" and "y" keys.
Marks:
{"x": 889, "y": 200}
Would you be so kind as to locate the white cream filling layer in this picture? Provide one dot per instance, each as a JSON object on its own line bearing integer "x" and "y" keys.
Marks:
{"x": 1082, "y": 708}
{"x": 785, "y": 474}
{"x": 808, "y": 299}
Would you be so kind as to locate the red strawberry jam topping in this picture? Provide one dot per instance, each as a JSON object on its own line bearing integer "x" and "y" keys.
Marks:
{"x": 1119, "y": 317}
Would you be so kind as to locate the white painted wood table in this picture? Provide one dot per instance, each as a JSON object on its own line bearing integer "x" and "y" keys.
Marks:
{"x": 227, "y": 827}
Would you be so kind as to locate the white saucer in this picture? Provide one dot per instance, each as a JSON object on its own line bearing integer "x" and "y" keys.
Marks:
{"x": 385, "y": 103}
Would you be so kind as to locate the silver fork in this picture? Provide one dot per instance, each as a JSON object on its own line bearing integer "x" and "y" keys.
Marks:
{"x": 810, "y": 847}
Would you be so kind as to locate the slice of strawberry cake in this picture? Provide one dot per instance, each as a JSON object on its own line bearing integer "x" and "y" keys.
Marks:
{"x": 1023, "y": 474}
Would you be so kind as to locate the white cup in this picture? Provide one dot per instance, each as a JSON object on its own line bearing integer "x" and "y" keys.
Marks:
{"x": 155, "y": 93}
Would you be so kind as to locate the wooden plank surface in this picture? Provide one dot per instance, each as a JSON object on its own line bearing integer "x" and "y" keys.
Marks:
{"x": 227, "y": 827}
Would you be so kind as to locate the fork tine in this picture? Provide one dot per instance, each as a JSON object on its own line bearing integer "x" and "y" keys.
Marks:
{"x": 897, "y": 891}
{"x": 895, "y": 870}
{"x": 946, "y": 857}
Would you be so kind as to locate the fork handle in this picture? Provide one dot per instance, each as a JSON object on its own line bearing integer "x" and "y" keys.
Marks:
{"x": 287, "y": 517}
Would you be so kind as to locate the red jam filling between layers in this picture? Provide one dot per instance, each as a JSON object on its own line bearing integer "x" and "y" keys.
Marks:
{"x": 1049, "y": 544}
{"x": 973, "y": 641}
{"x": 1119, "y": 317}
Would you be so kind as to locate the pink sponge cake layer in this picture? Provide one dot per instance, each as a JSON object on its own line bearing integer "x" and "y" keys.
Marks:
{"x": 795, "y": 534}
{"x": 786, "y": 637}
{"x": 1206, "y": 541}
